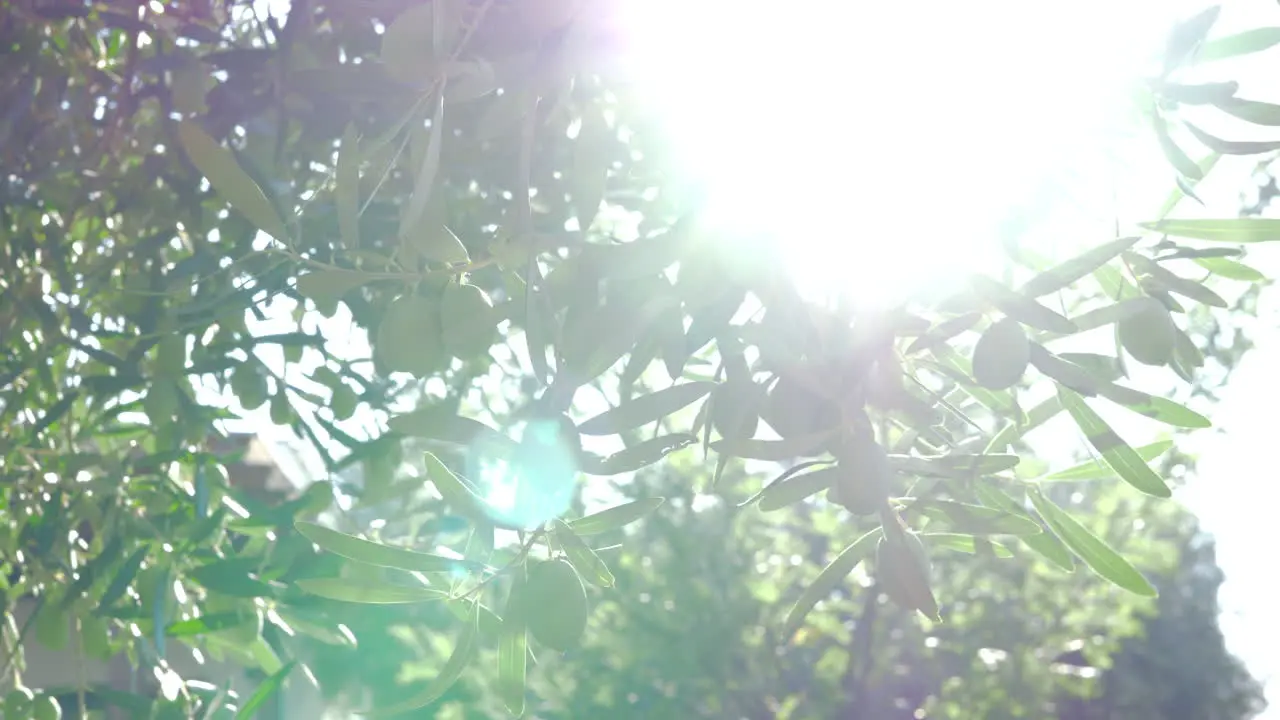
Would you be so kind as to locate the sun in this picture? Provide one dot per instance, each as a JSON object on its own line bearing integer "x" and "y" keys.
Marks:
{"x": 892, "y": 146}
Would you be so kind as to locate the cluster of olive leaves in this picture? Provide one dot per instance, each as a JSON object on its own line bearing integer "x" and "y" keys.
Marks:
{"x": 863, "y": 405}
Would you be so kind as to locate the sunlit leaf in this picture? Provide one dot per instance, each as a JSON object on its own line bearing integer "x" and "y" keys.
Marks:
{"x": 425, "y": 181}
{"x": 1154, "y": 407}
{"x": 1187, "y": 37}
{"x": 1098, "y": 470}
{"x": 1115, "y": 451}
{"x": 642, "y": 454}
{"x": 775, "y": 450}
{"x": 1258, "y": 113}
{"x": 794, "y": 489}
{"x": 1232, "y": 147}
{"x": 1230, "y": 269}
{"x": 265, "y": 690}
{"x": 1068, "y": 272}
{"x": 645, "y": 409}
{"x": 1176, "y": 156}
{"x": 371, "y": 553}
{"x": 978, "y": 520}
{"x": 965, "y": 543}
{"x": 1021, "y": 307}
{"x": 369, "y": 594}
{"x": 1095, "y": 553}
{"x": 464, "y": 651}
{"x": 614, "y": 517}
{"x": 347, "y": 188}
{"x": 437, "y": 424}
{"x": 1233, "y": 230}
{"x": 582, "y": 557}
{"x": 230, "y": 181}
{"x": 1046, "y": 544}
{"x": 1246, "y": 42}
{"x": 831, "y": 577}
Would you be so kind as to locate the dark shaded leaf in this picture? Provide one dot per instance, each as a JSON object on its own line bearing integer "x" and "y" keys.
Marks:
{"x": 775, "y": 450}
{"x": 1232, "y": 147}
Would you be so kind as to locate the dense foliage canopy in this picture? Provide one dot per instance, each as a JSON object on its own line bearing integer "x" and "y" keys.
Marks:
{"x": 441, "y": 243}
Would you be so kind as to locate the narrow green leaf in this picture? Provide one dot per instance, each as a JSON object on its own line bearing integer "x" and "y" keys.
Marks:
{"x": 615, "y": 517}
{"x": 1250, "y": 41}
{"x": 1096, "y": 554}
{"x": 977, "y": 519}
{"x": 831, "y": 577}
{"x": 780, "y": 495}
{"x": 425, "y": 181}
{"x": 1258, "y": 113}
{"x": 206, "y": 624}
{"x": 1097, "y": 470}
{"x": 1036, "y": 416}
{"x": 1115, "y": 451}
{"x": 964, "y": 543}
{"x": 1020, "y": 307}
{"x": 1198, "y": 93}
{"x": 1046, "y": 544}
{"x": 1109, "y": 314}
{"x": 1188, "y": 36}
{"x": 455, "y": 492}
{"x": 464, "y": 651}
{"x": 582, "y": 557}
{"x": 781, "y": 478}
{"x": 640, "y": 455}
{"x": 1065, "y": 373}
{"x": 1174, "y": 283}
{"x": 1186, "y": 187}
{"x": 1176, "y": 156}
{"x": 645, "y": 409}
{"x": 367, "y": 594}
{"x": 124, "y": 576}
{"x": 512, "y": 658}
{"x": 1154, "y": 407}
{"x": 1065, "y": 274}
{"x": 1233, "y": 230}
{"x": 231, "y": 576}
{"x": 371, "y": 553}
{"x": 443, "y": 426}
{"x": 1232, "y": 147}
{"x": 1230, "y": 269}
{"x": 347, "y": 188}
{"x": 944, "y": 331}
{"x": 265, "y": 690}
{"x": 230, "y": 181}
{"x": 772, "y": 450}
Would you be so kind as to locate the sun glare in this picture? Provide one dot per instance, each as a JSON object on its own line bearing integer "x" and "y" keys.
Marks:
{"x": 893, "y": 146}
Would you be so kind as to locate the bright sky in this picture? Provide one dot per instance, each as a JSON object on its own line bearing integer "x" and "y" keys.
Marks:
{"x": 893, "y": 143}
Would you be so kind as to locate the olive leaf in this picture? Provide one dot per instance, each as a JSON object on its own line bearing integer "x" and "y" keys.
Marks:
{"x": 615, "y": 517}
{"x": 230, "y": 181}
{"x": 1115, "y": 451}
{"x": 1107, "y": 563}
{"x": 645, "y": 409}
{"x": 829, "y": 579}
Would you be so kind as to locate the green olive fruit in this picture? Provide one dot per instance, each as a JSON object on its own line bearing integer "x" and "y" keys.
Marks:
{"x": 735, "y": 409}
{"x": 903, "y": 568}
{"x": 555, "y": 604}
{"x": 46, "y": 708}
{"x": 249, "y": 385}
{"x": 794, "y": 410}
{"x": 409, "y": 338}
{"x": 467, "y": 321}
{"x": 18, "y": 704}
{"x": 864, "y": 481}
{"x": 1149, "y": 334}
{"x": 1001, "y": 356}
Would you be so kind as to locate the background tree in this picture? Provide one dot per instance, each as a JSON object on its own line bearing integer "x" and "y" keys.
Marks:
{"x": 486, "y": 200}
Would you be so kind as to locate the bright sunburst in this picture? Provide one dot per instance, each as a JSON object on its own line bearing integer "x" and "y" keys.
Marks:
{"x": 890, "y": 145}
